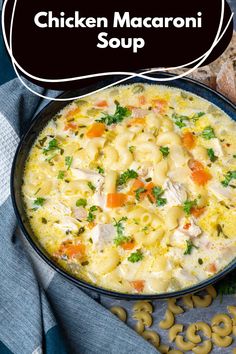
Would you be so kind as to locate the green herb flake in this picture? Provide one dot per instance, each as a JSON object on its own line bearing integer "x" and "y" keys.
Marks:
{"x": 138, "y": 192}
{"x": 149, "y": 179}
{"x": 68, "y": 161}
{"x": 61, "y": 175}
{"x": 230, "y": 175}
{"x": 91, "y": 186}
{"x": 100, "y": 170}
{"x": 136, "y": 256}
{"x": 91, "y": 216}
{"x": 200, "y": 261}
{"x": 117, "y": 117}
{"x": 234, "y": 156}
{"x": 120, "y": 238}
{"x": 208, "y": 133}
{"x": 81, "y": 202}
{"x": 198, "y": 115}
{"x": 157, "y": 192}
{"x": 188, "y": 205}
{"x": 189, "y": 247}
{"x": 52, "y": 146}
{"x": 165, "y": 151}
{"x": 44, "y": 220}
{"x": 179, "y": 120}
{"x": 131, "y": 149}
{"x": 39, "y": 201}
{"x": 81, "y": 230}
{"x": 211, "y": 155}
{"x": 127, "y": 175}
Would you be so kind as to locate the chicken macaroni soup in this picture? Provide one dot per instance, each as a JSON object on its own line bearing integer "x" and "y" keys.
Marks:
{"x": 133, "y": 189}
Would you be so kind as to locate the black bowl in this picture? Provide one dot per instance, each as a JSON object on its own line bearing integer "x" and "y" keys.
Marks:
{"x": 39, "y": 122}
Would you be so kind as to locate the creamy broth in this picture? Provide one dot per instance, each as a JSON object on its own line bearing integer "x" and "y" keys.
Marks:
{"x": 133, "y": 189}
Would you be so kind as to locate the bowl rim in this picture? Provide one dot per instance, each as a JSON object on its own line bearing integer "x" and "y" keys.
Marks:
{"x": 82, "y": 283}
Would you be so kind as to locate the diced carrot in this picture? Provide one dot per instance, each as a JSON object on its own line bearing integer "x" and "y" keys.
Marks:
{"x": 212, "y": 268}
{"x": 70, "y": 125}
{"x": 137, "y": 121}
{"x": 160, "y": 104}
{"x": 96, "y": 130}
{"x": 200, "y": 177}
{"x": 142, "y": 100}
{"x": 73, "y": 250}
{"x": 187, "y": 226}
{"x": 138, "y": 285}
{"x": 195, "y": 165}
{"x": 102, "y": 104}
{"x": 115, "y": 200}
{"x": 128, "y": 245}
{"x": 197, "y": 211}
{"x": 136, "y": 185}
{"x": 73, "y": 112}
{"x": 188, "y": 140}
{"x": 149, "y": 193}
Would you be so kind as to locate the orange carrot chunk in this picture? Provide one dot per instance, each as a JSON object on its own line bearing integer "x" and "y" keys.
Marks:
{"x": 160, "y": 104}
{"x": 71, "y": 126}
{"x": 102, "y": 104}
{"x": 128, "y": 245}
{"x": 137, "y": 121}
{"x": 197, "y": 211}
{"x": 96, "y": 130}
{"x": 73, "y": 250}
{"x": 136, "y": 185}
{"x": 149, "y": 187}
{"x": 186, "y": 226}
{"x": 188, "y": 140}
{"x": 200, "y": 177}
{"x": 212, "y": 268}
{"x": 115, "y": 200}
{"x": 138, "y": 285}
{"x": 72, "y": 113}
{"x": 195, "y": 165}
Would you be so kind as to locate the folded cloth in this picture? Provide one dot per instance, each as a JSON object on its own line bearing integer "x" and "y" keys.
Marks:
{"x": 54, "y": 316}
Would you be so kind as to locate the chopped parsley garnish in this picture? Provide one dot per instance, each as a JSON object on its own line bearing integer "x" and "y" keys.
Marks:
{"x": 138, "y": 192}
{"x": 68, "y": 161}
{"x": 91, "y": 186}
{"x": 52, "y": 146}
{"x": 136, "y": 256}
{"x": 100, "y": 170}
{"x": 211, "y": 154}
{"x": 81, "y": 202}
{"x": 118, "y": 116}
{"x": 131, "y": 149}
{"x": 149, "y": 179}
{"x": 39, "y": 201}
{"x": 208, "y": 133}
{"x": 228, "y": 178}
{"x": 44, "y": 221}
{"x": 120, "y": 238}
{"x": 234, "y": 156}
{"x": 188, "y": 205}
{"x": 91, "y": 217}
{"x": 61, "y": 175}
{"x": 157, "y": 192}
{"x": 189, "y": 247}
{"x": 165, "y": 151}
{"x": 127, "y": 175}
{"x": 196, "y": 116}
{"x": 179, "y": 120}
{"x": 200, "y": 261}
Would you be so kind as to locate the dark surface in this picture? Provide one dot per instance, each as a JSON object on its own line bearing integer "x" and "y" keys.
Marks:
{"x": 26, "y": 143}
{"x": 6, "y": 69}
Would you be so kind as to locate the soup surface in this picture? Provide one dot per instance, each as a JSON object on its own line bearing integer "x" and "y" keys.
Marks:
{"x": 133, "y": 189}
